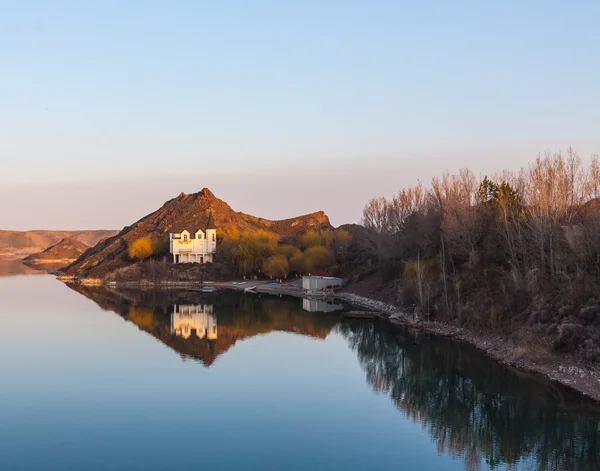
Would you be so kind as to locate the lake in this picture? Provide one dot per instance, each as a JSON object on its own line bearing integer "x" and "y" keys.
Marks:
{"x": 94, "y": 379}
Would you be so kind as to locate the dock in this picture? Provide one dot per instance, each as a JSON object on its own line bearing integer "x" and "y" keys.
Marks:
{"x": 361, "y": 315}
{"x": 204, "y": 290}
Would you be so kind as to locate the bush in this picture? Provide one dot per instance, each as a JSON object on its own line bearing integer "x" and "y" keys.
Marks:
{"x": 341, "y": 239}
{"x": 141, "y": 249}
{"x": 317, "y": 238}
{"x": 161, "y": 244}
{"x": 231, "y": 234}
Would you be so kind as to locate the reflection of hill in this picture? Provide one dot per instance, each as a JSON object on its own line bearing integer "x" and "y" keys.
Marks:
{"x": 12, "y": 267}
{"x": 20, "y": 243}
{"x": 239, "y": 317}
{"x": 478, "y": 409}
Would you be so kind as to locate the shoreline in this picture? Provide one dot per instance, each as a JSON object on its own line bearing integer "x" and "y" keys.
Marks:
{"x": 498, "y": 347}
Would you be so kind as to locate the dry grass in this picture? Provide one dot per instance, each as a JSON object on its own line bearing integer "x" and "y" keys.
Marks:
{"x": 520, "y": 353}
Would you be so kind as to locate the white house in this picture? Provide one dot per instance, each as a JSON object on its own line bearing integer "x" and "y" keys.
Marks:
{"x": 194, "y": 318}
{"x": 194, "y": 244}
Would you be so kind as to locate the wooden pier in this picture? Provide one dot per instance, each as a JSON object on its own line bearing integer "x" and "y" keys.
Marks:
{"x": 361, "y": 315}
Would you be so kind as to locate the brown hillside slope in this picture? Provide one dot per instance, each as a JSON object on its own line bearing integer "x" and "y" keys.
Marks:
{"x": 23, "y": 243}
{"x": 67, "y": 251}
{"x": 182, "y": 212}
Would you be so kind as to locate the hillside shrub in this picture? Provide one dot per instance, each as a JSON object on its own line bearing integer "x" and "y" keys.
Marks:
{"x": 141, "y": 249}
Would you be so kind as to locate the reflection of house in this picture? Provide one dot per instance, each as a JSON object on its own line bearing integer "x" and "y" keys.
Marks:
{"x": 320, "y": 282}
{"x": 196, "y": 319}
{"x": 315, "y": 305}
{"x": 194, "y": 244}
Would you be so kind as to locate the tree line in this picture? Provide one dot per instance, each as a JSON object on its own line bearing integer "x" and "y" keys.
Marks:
{"x": 512, "y": 248}
{"x": 262, "y": 252}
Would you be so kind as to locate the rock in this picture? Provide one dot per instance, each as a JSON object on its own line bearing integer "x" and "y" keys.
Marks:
{"x": 590, "y": 315}
{"x": 569, "y": 336}
{"x": 541, "y": 316}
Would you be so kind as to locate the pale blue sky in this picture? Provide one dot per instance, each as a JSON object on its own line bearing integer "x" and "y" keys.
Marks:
{"x": 105, "y": 91}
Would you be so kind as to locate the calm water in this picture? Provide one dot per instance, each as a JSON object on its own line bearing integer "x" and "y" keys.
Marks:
{"x": 98, "y": 380}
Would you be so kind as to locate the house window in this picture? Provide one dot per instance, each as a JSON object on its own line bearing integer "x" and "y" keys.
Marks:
{"x": 213, "y": 237}
{"x": 185, "y": 237}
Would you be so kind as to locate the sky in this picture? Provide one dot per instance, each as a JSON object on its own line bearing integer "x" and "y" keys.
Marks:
{"x": 110, "y": 108}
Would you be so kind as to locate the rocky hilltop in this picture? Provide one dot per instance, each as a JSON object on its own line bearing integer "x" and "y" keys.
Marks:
{"x": 65, "y": 252}
{"x": 184, "y": 211}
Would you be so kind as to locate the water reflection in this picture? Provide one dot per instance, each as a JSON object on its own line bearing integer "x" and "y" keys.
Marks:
{"x": 194, "y": 319}
{"x": 14, "y": 267}
{"x": 475, "y": 408}
{"x": 479, "y": 411}
{"x": 316, "y": 305}
{"x": 187, "y": 321}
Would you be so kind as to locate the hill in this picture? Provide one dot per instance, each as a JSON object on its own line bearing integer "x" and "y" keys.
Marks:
{"x": 184, "y": 211}
{"x": 22, "y": 243}
{"x": 65, "y": 252}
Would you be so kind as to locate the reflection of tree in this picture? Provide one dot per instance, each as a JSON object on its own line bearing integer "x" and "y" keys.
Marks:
{"x": 477, "y": 409}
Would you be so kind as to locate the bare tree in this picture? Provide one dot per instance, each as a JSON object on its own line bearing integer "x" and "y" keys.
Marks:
{"x": 404, "y": 203}
{"x": 375, "y": 215}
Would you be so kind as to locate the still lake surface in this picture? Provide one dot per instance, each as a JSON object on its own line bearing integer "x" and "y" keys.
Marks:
{"x": 92, "y": 379}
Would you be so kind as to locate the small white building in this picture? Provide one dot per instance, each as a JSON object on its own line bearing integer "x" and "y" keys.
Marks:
{"x": 320, "y": 282}
{"x": 197, "y": 319}
{"x": 194, "y": 244}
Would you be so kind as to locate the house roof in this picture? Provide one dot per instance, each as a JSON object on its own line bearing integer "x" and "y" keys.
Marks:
{"x": 211, "y": 222}
{"x": 179, "y": 228}
{"x": 201, "y": 223}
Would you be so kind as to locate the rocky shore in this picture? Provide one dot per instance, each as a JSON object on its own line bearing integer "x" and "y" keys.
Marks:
{"x": 505, "y": 350}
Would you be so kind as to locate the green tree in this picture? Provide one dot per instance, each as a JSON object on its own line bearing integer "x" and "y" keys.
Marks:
{"x": 287, "y": 250}
{"x": 298, "y": 263}
{"x": 318, "y": 258}
{"x": 252, "y": 249}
